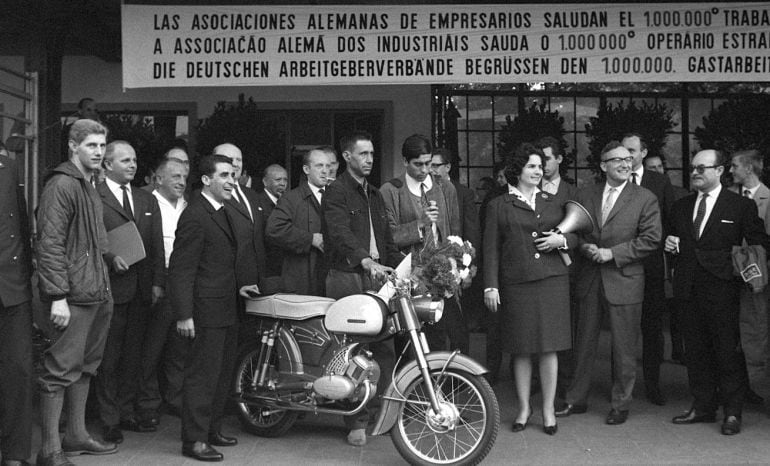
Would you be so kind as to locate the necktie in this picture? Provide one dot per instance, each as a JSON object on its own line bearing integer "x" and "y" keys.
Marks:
{"x": 634, "y": 177}
{"x": 700, "y": 215}
{"x": 609, "y": 201}
{"x": 127, "y": 203}
{"x": 320, "y": 195}
{"x": 747, "y": 193}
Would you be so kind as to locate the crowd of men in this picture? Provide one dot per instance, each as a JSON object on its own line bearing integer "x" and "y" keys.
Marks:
{"x": 161, "y": 328}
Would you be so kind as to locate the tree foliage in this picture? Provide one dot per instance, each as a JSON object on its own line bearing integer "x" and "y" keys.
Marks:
{"x": 740, "y": 123}
{"x": 530, "y": 125}
{"x": 140, "y": 132}
{"x": 611, "y": 122}
{"x": 241, "y": 123}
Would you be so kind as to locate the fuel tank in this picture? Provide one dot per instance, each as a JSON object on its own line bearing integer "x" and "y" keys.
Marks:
{"x": 358, "y": 314}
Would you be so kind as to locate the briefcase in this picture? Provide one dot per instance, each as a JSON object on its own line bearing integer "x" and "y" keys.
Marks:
{"x": 750, "y": 263}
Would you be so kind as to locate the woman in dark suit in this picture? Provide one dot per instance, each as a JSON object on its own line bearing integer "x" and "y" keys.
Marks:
{"x": 527, "y": 280}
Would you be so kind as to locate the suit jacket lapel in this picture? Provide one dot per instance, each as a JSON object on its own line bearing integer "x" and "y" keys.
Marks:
{"x": 220, "y": 220}
{"x": 110, "y": 201}
{"x": 716, "y": 213}
{"x": 623, "y": 197}
{"x": 240, "y": 208}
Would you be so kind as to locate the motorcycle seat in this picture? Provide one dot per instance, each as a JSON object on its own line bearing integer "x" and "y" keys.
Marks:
{"x": 288, "y": 306}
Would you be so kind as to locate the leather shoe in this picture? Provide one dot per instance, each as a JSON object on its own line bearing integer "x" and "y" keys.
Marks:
{"x": 219, "y": 440}
{"x": 655, "y": 396}
{"x": 731, "y": 425}
{"x": 518, "y": 426}
{"x": 135, "y": 425}
{"x": 54, "y": 459}
{"x": 617, "y": 417}
{"x": 551, "y": 430}
{"x": 694, "y": 417}
{"x": 112, "y": 434}
{"x": 569, "y": 409}
{"x": 753, "y": 398}
{"x": 149, "y": 418}
{"x": 201, "y": 451}
{"x": 89, "y": 446}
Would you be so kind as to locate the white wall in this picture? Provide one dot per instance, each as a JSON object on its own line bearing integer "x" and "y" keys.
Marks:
{"x": 84, "y": 76}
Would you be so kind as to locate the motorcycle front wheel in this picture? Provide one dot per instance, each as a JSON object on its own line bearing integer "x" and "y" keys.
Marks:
{"x": 257, "y": 419}
{"x": 464, "y": 430}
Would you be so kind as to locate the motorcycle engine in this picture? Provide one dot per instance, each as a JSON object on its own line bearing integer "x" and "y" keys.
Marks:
{"x": 345, "y": 373}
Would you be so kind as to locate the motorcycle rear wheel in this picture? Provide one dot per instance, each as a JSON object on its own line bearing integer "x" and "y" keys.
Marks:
{"x": 469, "y": 400}
{"x": 257, "y": 419}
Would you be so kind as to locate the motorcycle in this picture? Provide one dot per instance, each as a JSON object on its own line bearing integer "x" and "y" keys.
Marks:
{"x": 310, "y": 355}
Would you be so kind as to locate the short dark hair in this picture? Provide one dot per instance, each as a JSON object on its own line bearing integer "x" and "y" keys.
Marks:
{"x": 446, "y": 154}
{"x": 83, "y": 128}
{"x": 552, "y": 142}
{"x": 208, "y": 164}
{"x": 82, "y": 102}
{"x": 642, "y": 141}
{"x": 414, "y": 146}
{"x": 516, "y": 162}
{"x": 610, "y": 146}
{"x": 751, "y": 157}
{"x": 348, "y": 142}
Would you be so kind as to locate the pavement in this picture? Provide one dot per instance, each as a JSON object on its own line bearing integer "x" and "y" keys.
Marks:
{"x": 648, "y": 437}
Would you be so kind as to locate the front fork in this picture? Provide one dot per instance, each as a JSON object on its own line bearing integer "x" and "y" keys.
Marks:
{"x": 420, "y": 343}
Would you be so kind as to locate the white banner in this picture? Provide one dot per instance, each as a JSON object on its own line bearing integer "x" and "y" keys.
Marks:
{"x": 170, "y": 46}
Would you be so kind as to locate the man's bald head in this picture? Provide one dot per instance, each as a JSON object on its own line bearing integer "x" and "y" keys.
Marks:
{"x": 234, "y": 153}
{"x": 275, "y": 179}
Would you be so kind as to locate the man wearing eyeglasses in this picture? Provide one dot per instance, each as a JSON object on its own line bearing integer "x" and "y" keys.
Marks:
{"x": 610, "y": 278}
{"x": 705, "y": 226}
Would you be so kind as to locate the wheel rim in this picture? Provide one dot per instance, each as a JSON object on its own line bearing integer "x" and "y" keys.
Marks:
{"x": 450, "y": 435}
{"x": 259, "y": 416}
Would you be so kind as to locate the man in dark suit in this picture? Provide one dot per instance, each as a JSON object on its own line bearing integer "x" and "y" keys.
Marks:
{"x": 654, "y": 304}
{"x": 203, "y": 289}
{"x": 135, "y": 287}
{"x": 360, "y": 251}
{"x": 15, "y": 317}
{"x": 295, "y": 227}
{"x": 705, "y": 226}
{"x": 610, "y": 278}
{"x": 248, "y": 223}
{"x": 275, "y": 181}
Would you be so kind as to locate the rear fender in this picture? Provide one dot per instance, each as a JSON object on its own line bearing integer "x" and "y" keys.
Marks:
{"x": 408, "y": 374}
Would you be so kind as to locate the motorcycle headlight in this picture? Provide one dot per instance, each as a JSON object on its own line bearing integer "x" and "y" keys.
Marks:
{"x": 427, "y": 309}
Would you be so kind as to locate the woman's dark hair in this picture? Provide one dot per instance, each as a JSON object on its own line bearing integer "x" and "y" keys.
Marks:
{"x": 515, "y": 162}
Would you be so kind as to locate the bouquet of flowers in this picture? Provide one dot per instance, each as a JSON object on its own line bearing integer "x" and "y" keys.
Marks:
{"x": 441, "y": 270}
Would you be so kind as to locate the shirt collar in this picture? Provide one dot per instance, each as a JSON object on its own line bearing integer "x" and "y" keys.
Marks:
{"x": 639, "y": 173}
{"x": 714, "y": 193}
{"x": 216, "y": 205}
{"x": 617, "y": 188}
{"x": 180, "y": 203}
{"x": 116, "y": 187}
{"x": 752, "y": 190}
{"x": 270, "y": 195}
{"x": 315, "y": 189}
{"x": 414, "y": 185}
{"x": 514, "y": 191}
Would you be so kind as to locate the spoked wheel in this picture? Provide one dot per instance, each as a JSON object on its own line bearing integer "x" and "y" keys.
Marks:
{"x": 258, "y": 419}
{"x": 464, "y": 430}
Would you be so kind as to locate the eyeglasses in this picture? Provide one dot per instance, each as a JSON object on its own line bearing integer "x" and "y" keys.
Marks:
{"x": 619, "y": 160}
{"x": 702, "y": 168}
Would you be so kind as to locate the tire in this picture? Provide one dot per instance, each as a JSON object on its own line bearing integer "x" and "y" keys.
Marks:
{"x": 472, "y": 399}
{"x": 253, "y": 421}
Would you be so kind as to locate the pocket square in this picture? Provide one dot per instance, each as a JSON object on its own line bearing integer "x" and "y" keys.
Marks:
{"x": 148, "y": 213}
{"x": 727, "y": 221}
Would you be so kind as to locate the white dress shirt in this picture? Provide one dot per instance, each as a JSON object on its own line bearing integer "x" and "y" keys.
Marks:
{"x": 552, "y": 186}
{"x": 216, "y": 205}
{"x": 240, "y": 197}
{"x": 710, "y": 201}
{"x": 316, "y": 191}
{"x": 115, "y": 188}
{"x": 169, "y": 215}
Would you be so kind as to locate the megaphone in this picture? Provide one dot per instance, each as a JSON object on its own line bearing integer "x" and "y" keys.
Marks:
{"x": 576, "y": 219}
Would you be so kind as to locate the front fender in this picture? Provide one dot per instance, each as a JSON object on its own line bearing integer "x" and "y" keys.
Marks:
{"x": 390, "y": 407}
